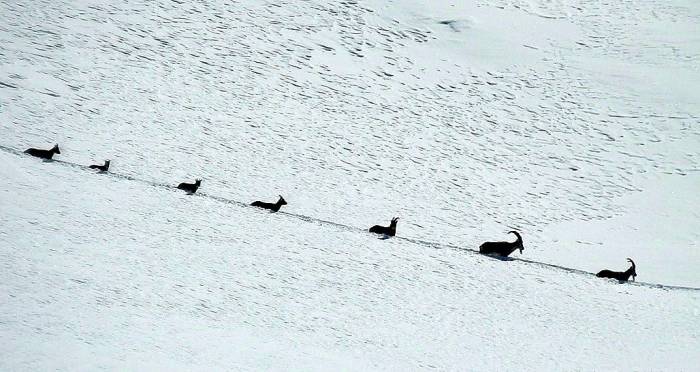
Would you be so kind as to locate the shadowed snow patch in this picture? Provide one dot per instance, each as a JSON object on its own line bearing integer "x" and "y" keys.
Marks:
{"x": 457, "y": 25}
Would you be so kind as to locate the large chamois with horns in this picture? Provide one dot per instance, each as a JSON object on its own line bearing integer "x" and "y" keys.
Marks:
{"x": 622, "y": 276}
{"x": 502, "y": 248}
{"x": 386, "y": 230}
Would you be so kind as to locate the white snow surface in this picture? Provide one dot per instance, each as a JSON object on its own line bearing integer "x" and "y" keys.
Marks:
{"x": 572, "y": 121}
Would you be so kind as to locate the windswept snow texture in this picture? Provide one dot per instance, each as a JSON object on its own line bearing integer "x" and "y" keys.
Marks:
{"x": 574, "y": 122}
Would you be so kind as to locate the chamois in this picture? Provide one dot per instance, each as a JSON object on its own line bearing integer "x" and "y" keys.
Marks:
{"x": 502, "y": 248}
{"x": 44, "y": 154}
{"x": 622, "y": 276}
{"x": 191, "y": 188}
{"x": 101, "y": 168}
{"x": 386, "y": 230}
{"x": 273, "y": 207}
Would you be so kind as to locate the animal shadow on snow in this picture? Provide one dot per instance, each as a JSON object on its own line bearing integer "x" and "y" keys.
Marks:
{"x": 498, "y": 257}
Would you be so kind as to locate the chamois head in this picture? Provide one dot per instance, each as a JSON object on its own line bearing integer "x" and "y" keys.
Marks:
{"x": 197, "y": 182}
{"x": 632, "y": 270}
{"x": 281, "y": 201}
{"x": 55, "y": 149}
{"x": 392, "y": 226}
{"x": 519, "y": 241}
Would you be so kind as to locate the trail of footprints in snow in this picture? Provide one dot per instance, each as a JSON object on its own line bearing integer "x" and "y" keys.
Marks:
{"x": 310, "y": 219}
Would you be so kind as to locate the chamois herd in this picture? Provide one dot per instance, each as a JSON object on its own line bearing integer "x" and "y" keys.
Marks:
{"x": 497, "y": 249}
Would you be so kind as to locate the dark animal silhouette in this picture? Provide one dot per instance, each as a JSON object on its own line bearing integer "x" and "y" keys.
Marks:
{"x": 502, "y": 248}
{"x": 274, "y": 207}
{"x": 386, "y": 230}
{"x": 101, "y": 168}
{"x": 44, "y": 154}
{"x": 190, "y": 187}
{"x": 622, "y": 276}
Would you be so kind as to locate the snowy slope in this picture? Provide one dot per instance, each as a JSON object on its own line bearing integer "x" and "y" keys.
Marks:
{"x": 574, "y": 122}
{"x": 118, "y": 274}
